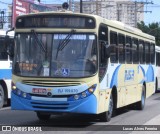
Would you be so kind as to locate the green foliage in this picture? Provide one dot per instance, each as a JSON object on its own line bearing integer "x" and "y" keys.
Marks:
{"x": 152, "y": 29}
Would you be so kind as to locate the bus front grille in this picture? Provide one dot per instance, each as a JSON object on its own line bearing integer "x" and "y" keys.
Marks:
{"x": 48, "y": 83}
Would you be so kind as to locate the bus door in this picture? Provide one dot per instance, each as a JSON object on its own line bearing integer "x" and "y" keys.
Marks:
{"x": 131, "y": 69}
{"x": 121, "y": 71}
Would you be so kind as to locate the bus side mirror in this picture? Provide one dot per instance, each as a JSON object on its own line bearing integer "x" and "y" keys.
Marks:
{"x": 108, "y": 51}
{"x": 107, "y": 47}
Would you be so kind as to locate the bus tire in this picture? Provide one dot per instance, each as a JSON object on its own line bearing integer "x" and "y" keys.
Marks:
{"x": 140, "y": 105}
{"x": 2, "y": 97}
{"x": 43, "y": 116}
{"x": 106, "y": 116}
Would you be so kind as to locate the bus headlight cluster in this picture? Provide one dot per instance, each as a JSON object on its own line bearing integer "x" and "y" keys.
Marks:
{"x": 20, "y": 93}
{"x": 83, "y": 94}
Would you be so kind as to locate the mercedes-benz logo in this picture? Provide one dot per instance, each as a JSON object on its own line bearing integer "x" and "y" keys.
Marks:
{"x": 49, "y": 94}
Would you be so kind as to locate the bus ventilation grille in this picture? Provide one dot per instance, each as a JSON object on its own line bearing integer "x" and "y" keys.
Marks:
{"x": 50, "y": 83}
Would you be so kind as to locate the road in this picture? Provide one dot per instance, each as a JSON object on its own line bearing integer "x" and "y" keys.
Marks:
{"x": 85, "y": 123}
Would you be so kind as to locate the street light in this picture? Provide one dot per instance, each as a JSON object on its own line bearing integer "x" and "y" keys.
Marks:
{"x": 81, "y": 4}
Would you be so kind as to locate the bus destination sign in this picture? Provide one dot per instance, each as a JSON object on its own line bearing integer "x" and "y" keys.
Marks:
{"x": 55, "y": 21}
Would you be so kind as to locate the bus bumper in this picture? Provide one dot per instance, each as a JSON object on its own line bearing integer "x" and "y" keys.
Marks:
{"x": 86, "y": 105}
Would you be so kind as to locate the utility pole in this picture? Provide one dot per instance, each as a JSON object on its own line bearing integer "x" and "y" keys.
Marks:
{"x": 138, "y": 7}
{"x": 81, "y": 6}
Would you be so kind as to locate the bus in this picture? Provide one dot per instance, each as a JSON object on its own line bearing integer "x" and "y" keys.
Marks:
{"x": 157, "y": 77}
{"x": 80, "y": 63}
{"x": 5, "y": 68}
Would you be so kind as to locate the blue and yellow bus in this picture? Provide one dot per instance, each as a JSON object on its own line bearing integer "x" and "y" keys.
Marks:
{"x": 79, "y": 63}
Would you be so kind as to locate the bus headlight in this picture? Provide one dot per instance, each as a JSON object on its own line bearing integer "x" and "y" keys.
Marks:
{"x": 20, "y": 93}
{"x": 83, "y": 94}
{"x": 76, "y": 97}
{"x": 24, "y": 95}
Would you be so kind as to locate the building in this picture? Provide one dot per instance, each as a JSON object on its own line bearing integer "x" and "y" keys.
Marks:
{"x": 20, "y": 7}
{"x": 126, "y": 11}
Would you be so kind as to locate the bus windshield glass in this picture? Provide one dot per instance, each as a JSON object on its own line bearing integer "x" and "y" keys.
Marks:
{"x": 62, "y": 55}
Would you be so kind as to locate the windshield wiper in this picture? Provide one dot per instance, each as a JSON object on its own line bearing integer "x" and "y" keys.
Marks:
{"x": 65, "y": 42}
{"x": 39, "y": 42}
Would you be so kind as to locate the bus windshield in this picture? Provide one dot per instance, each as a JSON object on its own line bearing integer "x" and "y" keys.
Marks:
{"x": 75, "y": 56}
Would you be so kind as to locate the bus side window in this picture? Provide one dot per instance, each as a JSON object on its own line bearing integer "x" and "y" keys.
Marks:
{"x": 152, "y": 53}
{"x": 128, "y": 52}
{"x": 121, "y": 50}
{"x": 103, "y": 41}
{"x": 158, "y": 59}
{"x": 141, "y": 52}
{"x": 3, "y": 52}
{"x": 114, "y": 48}
{"x": 135, "y": 50}
{"x": 147, "y": 52}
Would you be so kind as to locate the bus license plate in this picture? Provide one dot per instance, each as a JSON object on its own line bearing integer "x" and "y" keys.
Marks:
{"x": 39, "y": 90}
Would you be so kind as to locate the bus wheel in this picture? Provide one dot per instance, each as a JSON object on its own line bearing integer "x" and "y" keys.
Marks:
{"x": 106, "y": 116}
{"x": 1, "y": 96}
{"x": 140, "y": 105}
{"x": 43, "y": 116}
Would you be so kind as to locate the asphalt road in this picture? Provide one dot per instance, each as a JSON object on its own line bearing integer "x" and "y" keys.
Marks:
{"x": 88, "y": 124}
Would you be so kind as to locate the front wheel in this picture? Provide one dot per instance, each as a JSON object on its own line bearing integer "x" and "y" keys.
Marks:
{"x": 1, "y": 96}
{"x": 106, "y": 116}
{"x": 43, "y": 116}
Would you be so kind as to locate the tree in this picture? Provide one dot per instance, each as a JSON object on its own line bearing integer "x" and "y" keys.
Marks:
{"x": 152, "y": 29}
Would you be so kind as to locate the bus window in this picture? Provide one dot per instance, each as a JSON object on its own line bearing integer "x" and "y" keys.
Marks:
{"x": 103, "y": 41}
{"x": 128, "y": 52}
{"x": 152, "y": 53}
{"x": 3, "y": 53}
{"x": 157, "y": 59}
{"x": 114, "y": 50}
{"x": 135, "y": 50}
{"x": 103, "y": 33}
{"x": 141, "y": 51}
{"x": 121, "y": 42}
{"x": 147, "y": 52}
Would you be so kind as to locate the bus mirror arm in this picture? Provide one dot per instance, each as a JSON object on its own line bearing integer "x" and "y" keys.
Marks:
{"x": 9, "y": 30}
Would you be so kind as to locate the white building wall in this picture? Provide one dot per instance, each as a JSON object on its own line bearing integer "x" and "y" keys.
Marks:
{"x": 121, "y": 10}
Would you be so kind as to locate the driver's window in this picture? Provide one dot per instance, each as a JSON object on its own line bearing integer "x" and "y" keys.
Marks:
{"x": 103, "y": 42}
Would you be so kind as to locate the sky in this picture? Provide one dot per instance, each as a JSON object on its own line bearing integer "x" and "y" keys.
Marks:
{"x": 154, "y": 16}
